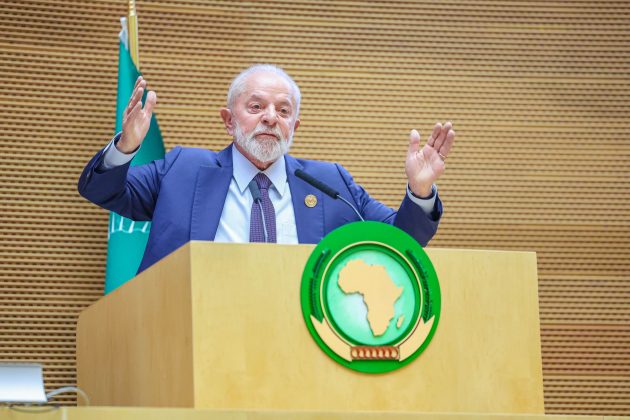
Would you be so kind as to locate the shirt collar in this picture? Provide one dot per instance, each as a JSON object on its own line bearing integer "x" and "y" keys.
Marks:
{"x": 244, "y": 171}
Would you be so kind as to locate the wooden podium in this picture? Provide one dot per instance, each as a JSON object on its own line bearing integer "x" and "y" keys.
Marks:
{"x": 220, "y": 326}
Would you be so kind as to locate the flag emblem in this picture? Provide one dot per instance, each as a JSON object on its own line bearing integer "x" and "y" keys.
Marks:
{"x": 370, "y": 297}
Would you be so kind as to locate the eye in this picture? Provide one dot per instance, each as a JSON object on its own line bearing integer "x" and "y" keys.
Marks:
{"x": 285, "y": 111}
{"x": 255, "y": 107}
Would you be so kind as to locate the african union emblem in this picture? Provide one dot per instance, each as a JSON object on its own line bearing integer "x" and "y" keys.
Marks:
{"x": 370, "y": 297}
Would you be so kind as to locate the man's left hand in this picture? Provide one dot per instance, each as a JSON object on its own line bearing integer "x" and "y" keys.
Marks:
{"x": 425, "y": 165}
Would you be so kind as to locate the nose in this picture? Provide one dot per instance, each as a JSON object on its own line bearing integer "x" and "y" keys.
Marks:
{"x": 269, "y": 116}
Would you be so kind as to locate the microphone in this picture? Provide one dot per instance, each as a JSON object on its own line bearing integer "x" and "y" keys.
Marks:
{"x": 317, "y": 184}
{"x": 255, "y": 191}
{"x": 325, "y": 189}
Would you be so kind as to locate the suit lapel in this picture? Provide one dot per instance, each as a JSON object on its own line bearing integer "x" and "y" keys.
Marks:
{"x": 210, "y": 191}
{"x": 309, "y": 221}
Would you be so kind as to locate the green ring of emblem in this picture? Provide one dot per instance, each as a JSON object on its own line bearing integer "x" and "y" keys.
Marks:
{"x": 394, "y": 244}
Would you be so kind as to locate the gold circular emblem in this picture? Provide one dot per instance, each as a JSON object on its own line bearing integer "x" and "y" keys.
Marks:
{"x": 310, "y": 200}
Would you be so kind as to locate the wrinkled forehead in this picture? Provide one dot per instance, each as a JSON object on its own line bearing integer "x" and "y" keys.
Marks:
{"x": 268, "y": 84}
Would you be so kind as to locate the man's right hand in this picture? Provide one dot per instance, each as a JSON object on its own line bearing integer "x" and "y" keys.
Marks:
{"x": 136, "y": 120}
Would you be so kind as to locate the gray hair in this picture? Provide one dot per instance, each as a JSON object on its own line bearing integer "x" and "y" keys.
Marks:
{"x": 238, "y": 84}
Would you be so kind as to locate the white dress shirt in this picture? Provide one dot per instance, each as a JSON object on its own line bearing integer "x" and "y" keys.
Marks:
{"x": 235, "y": 217}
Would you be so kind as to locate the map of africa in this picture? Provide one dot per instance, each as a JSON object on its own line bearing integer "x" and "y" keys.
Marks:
{"x": 377, "y": 289}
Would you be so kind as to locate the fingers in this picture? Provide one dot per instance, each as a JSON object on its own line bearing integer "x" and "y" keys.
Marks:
{"x": 434, "y": 134}
{"x": 442, "y": 139}
{"x": 136, "y": 95}
{"x": 133, "y": 112}
{"x": 439, "y": 140}
{"x": 448, "y": 143}
{"x": 136, "y": 100}
{"x": 414, "y": 142}
{"x": 150, "y": 103}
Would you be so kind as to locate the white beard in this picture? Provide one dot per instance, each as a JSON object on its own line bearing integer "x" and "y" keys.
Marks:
{"x": 263, "y": 150}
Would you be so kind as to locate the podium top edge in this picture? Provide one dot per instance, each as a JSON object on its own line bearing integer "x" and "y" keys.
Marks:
{"x": 429, "y": 249}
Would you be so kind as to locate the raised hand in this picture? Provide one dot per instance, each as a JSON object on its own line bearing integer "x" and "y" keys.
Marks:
{"x": 425, "y": 165}
{"x": 136, "y": 120}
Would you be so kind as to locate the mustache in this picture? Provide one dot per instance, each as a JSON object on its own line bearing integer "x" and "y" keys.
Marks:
{"x": 275, "y": 131}
{"x": 264, "y": 150}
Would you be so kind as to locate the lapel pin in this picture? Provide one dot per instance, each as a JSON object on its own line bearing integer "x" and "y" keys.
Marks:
{"x": 310, "y": 201}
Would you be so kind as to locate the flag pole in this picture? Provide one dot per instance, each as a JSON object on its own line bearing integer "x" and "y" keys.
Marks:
{"x": 133, "y": 33}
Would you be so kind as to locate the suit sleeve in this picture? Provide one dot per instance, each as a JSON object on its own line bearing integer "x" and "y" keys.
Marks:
{"x": 409, "y": 217}
{"x": 130, "y": 191}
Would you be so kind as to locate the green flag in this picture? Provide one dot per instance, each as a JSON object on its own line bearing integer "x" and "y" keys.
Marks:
{"x": 126, "y": 239}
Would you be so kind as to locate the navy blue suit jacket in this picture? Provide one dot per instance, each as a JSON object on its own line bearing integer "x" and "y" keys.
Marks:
{"x": 183, "y": 195}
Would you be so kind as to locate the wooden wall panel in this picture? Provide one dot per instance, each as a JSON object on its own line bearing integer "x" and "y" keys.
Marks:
{"x": 538, "y": 92}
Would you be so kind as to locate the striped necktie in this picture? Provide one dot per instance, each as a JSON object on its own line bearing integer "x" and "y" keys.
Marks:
{"x": 256, "y": 229}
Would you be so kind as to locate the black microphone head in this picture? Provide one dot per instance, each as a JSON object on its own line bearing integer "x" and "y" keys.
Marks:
{"x": 316, "y": 183}
{"x": 254, "y": 190}
{"x": 325, "y": 189}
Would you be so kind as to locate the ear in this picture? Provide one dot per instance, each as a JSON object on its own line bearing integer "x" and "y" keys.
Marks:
{"x": 297, "y": 124}
{"x": 228, "y": 122}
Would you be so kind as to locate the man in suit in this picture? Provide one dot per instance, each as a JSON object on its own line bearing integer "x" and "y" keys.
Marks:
{"x": 195, "y": 194}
